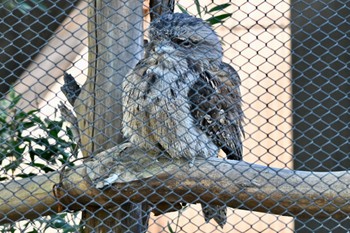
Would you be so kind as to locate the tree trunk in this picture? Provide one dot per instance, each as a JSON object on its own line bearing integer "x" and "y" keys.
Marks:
{"x": 115, "y": 46}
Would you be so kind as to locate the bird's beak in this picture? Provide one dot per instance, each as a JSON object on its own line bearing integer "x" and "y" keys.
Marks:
{"x": 164, "y": 48}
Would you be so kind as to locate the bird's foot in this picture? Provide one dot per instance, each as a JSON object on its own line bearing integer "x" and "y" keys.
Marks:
{"x": 191, "y": 163}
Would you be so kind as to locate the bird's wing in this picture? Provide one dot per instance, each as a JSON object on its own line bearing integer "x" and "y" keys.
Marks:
{"x": 216, "y": 107}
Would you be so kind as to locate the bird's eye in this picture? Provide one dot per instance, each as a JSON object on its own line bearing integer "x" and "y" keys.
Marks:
{"x": 182, "y": 42}
{"x": 186, "y": 43}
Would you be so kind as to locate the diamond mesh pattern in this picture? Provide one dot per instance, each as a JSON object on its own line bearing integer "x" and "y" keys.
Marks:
{"x": 293, "y": 61}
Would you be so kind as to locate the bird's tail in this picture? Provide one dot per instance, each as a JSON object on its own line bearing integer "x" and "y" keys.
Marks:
{"x": 218, "y": 213}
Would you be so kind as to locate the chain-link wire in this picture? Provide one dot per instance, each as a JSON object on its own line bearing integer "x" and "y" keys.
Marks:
{"x": 64, "y": 86}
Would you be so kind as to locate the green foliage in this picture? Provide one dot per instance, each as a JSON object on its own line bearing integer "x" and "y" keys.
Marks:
{"x": 214, "y": 19}
{"x": 60, "y": 222}
{"x": 170, "y": 229}
{"x": 45, "y": 152}
{"x": 25, "y": 154}
{"x": 24, "y": 6}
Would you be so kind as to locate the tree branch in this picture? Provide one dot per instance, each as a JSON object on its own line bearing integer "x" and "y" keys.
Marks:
{"x": 28, "y": 198}
{"x": 123, "y": 173}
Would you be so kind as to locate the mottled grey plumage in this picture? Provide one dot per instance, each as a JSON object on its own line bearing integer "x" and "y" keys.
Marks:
{"x": 70, "y": 88}
{"x": 182, "y": 98}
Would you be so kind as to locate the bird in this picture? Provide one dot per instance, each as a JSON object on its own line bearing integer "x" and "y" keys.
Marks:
{"x": 70, "y": 88}
{"x": 181, "y": 98}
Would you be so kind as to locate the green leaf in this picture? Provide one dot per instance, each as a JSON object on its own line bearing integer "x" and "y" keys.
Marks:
{"x": 53, "y": 124}
{"x": 170, "y": 229}
{"x": 3, "y": 119}
{"x": 42, "y": 141}
{"x": 63, "y": 144}
{"x": 198, "y": 6}
{"x": 36, "y": 119}
{"x": 31, "y": 155}
{"x": 182, "y": 9}
{"x": 33, "y": 231}
{"x": 27, "y": 125}
{"x": 24, "y": 8}
{"x": 53, "y": 133}
{"x": 12, "y": 94}
{"x": 218, "y": 19}
{"x": 69, "y": 133}
{"x": 26, "y": 175}
{"x": 54, "y": 127}
{"x": 40, "y": 4}
{"x": 46, "y": 154}
{"x": 42, "y": 167}
{"x": 23, "y": 115}
{"x": 18, "y": 149}
{"x": 70, "y": 229}
{"x": 219, "y": 7}
{"x": 31, "y": 112}
{"x": 14, "y": 100}
{"x": 13, "y": 165}
{"x": 58, "y": 223}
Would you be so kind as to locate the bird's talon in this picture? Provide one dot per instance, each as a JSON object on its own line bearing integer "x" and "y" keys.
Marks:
{"x": 192, "y": 162}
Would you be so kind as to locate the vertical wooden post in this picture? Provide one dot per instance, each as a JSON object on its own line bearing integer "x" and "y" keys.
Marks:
{"x": 115, "y": 46}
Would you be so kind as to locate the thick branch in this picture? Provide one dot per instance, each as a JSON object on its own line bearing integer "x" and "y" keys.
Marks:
{"x": 134, "y": 176}
{"x": 28, "y": 198}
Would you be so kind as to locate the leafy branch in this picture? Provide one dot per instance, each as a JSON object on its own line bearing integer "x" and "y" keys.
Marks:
{"x": 215, "y": 19}
{"x": 25, "y": 154}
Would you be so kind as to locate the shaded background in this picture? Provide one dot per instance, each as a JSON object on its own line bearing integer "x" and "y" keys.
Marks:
{"x": 320, "y": 71}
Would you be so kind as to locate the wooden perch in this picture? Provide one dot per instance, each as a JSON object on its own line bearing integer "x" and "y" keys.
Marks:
{"x": 123, "y": 173}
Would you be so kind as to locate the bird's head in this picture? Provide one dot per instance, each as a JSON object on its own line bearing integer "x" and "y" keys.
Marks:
{"x": 183, "y": 36}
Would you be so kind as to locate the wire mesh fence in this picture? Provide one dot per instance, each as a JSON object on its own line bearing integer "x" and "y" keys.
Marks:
{"x": 72, "y": 84}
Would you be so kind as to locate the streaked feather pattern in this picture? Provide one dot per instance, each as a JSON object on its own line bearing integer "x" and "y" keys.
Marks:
{"x": 182, "y": 99}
